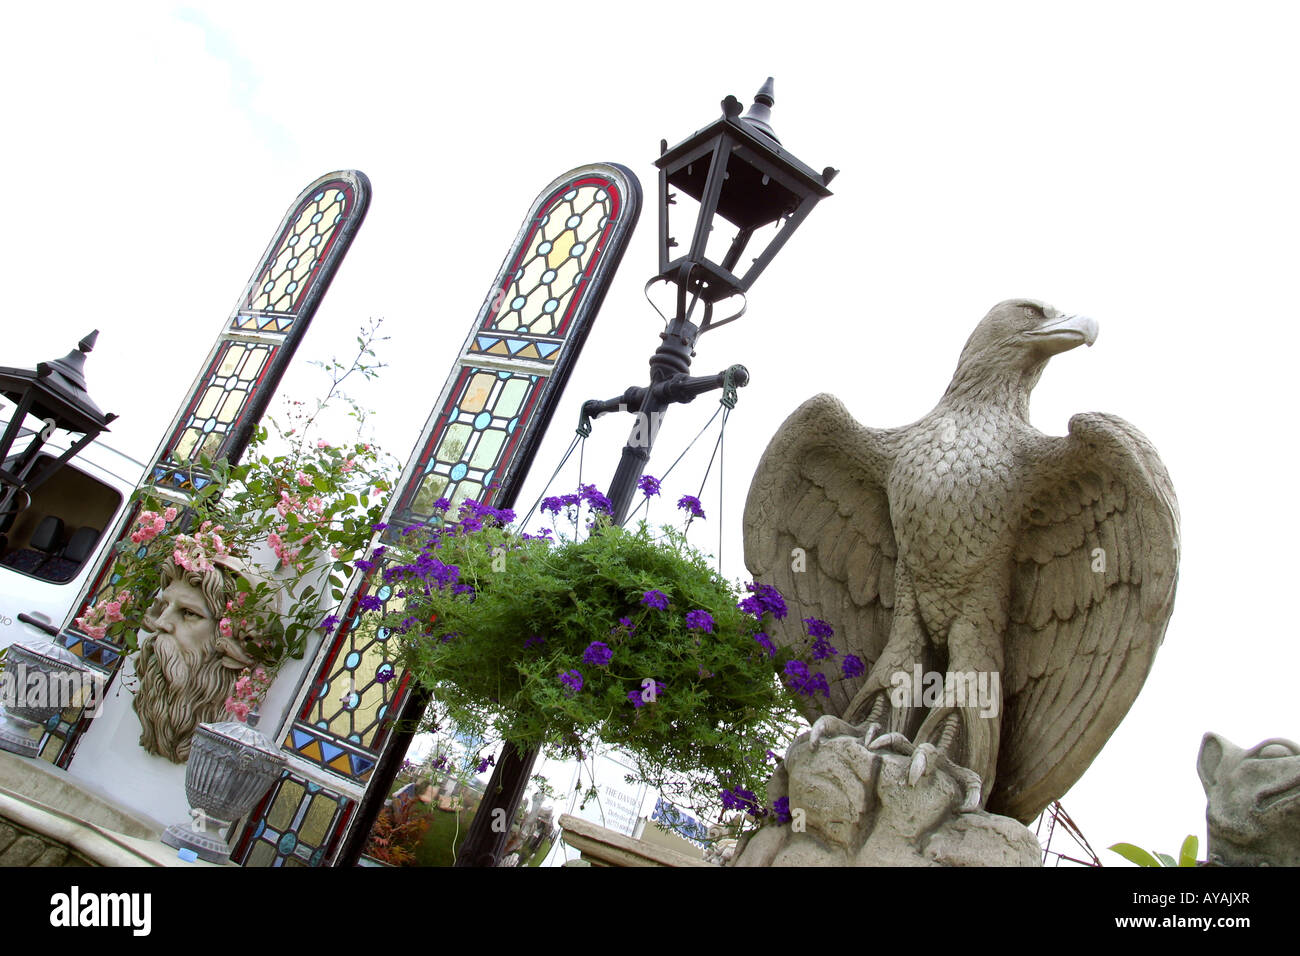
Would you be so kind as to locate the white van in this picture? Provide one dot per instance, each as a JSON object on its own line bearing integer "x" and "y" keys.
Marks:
{"x": 54, "y": 539}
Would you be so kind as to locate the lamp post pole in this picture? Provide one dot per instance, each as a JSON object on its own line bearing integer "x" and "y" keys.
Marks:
{"x": 670, "y": 384}
{"x": 736, "y": 169}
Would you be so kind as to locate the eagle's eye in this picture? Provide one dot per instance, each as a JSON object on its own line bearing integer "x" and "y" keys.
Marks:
{"x": 1031, "y": 313}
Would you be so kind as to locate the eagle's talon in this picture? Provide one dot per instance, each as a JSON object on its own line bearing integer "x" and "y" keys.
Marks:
{"x": 895, "y": 742}
{"x": 829, "y": 725}
{"x": 920, "y": 764}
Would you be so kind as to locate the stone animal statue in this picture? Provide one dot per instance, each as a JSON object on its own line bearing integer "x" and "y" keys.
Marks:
{"x": 862, "y": 806}
{"x": 969, "y": 544}
{"x": 1252, "y": 811}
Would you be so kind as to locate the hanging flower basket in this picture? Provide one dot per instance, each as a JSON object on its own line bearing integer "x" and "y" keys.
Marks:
{"x": 621, "y": 637}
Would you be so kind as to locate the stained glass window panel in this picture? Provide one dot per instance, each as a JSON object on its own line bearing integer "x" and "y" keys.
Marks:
{"x": 239, "y": 366}
{"x": 302, "y": 245}
{"x": 542, "y": 300}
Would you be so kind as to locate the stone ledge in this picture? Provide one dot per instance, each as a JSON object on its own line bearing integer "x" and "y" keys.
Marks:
{"x": 33, "y": 823}
{"x": 604, "y": 847}
{"x": 39, "y": 782}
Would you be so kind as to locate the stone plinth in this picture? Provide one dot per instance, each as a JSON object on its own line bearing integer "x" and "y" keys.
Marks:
{"x": 603, "y": 847}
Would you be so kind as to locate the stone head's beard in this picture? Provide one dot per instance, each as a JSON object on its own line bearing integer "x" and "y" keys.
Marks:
{"x": 178, "y": 691}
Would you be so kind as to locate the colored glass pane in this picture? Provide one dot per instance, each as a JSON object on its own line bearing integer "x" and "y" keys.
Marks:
{"x": 288, "y": 274}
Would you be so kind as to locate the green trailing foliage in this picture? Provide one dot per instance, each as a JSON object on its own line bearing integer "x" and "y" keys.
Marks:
{"x": 1139, "y": 856}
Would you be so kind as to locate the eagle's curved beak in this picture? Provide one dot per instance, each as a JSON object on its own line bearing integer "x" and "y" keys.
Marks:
{"x": 1065, "y": 333}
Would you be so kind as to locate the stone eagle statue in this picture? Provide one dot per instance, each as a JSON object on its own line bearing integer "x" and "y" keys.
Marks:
{"x": 971, "y": 542}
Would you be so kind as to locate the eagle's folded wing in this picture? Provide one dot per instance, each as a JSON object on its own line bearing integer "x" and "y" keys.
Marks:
{"x": 1093, "y": 588}
{"x": 820, "y": 487}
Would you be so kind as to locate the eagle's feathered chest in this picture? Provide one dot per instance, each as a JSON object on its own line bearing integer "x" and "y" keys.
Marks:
{"x": 954, "y": 496}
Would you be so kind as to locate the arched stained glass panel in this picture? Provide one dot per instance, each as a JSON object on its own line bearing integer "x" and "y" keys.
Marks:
{"x": 478, "y": 442}
{"x": 234, "y": 384}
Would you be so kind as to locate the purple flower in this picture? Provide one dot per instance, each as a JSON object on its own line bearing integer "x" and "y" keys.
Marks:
{"x": 329, "y": 623}
{"x": 379, "y": 526}
{"x": 385, "y": 674}
{"x": 769, "y": 598}
{"x": 485, "y": 763}
{"x": 853, "y": 666}
{"x": 442, "y": 504}
{"x": 626, "y": 624}
{"x": 465, "y": 589}
{"x": 370, "y": 603}
{"x": 822, "y": 649}
{"x": 765, "y": 642}
{"x": 448, "y": 636}
{"x": 535, "y": 641}
{"x": 364, "y": 565}
{"x": 648, "y": 484}
{"x": 638, "y": 697}
{"x": 655, "y": 599}
{"x": 818, "y": 628}
{"x": 597, "y": 654}
{"x": 699, "y": 621}
{"x": 595, "y": 500}
{"x": 572, "y": 680}
{"x": 692, "y": 504}
{"x": 781, "y": 807}
{"x": 738, "y": 799}
{"x": 471, "y": 524}
{"x": 804, "y": 683}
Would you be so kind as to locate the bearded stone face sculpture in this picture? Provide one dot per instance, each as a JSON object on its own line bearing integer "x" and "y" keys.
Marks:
{"x": 186, "y": 667}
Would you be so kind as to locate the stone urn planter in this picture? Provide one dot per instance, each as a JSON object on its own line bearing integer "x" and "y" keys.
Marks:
{"x": 39, "y": 681}
{"x": 230, "y": 768}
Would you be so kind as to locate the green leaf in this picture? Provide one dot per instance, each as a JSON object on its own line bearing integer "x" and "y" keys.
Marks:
{"x": 1187, "y": 855}
{"x": 1167, "y": 860}
{"x": 1135, "y": 854}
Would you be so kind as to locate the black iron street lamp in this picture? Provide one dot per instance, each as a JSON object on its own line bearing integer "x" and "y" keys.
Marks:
{"x": 54, "y": 392}
{"x": 736, "y": 170}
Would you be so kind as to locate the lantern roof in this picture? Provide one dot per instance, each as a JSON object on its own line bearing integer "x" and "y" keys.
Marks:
{"x": 756, "y": 142}
{"x": 58, "y": 390}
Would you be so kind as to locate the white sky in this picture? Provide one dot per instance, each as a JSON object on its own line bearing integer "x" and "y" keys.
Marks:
{"x": 1134, "y": 163}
